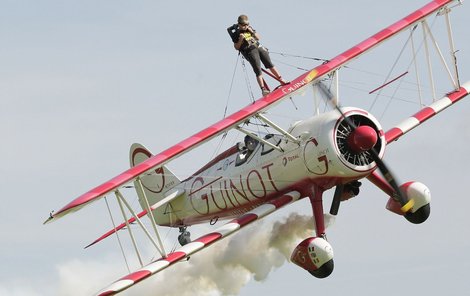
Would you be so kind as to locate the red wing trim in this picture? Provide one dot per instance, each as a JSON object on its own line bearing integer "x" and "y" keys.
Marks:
{"x": 175, "y": 257}
{"x": 209, "y": 238}
{"x": 200, "y": 243}
{"x": 137, "y": 276}
{"x": 426, "y": 113}
{"x": 240, "y": 116}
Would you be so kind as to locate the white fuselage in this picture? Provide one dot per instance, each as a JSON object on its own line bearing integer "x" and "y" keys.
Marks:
{"x": 235, "y": 183}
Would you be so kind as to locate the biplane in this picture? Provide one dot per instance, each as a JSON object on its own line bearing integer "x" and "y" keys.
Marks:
{"x": 265, "y": 172}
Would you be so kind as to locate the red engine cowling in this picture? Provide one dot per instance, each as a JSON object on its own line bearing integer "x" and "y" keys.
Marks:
{"x": 315, "y": 255}
{"x": 421, "y": 196}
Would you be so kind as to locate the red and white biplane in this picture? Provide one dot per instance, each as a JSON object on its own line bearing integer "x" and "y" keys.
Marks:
{"x": 250, "y": 180}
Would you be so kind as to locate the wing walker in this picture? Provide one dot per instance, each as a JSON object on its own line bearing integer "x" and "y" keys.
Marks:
{"x": 335, "y": 149}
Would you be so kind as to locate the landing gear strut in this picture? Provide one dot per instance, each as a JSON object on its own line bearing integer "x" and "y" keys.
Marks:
{"x": 315, "y": 254}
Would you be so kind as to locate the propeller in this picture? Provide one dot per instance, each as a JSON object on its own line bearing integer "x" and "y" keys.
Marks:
{"x": 361, "y": 139}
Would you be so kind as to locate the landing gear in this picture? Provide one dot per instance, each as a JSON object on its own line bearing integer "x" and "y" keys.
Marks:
{"x": 184, "y": 237}
{"x": 415, "y": 192}
{"x": 421, "y": 195}
{"x": 324, "y": 271}
{"x": 315, "y": 254}
{"x": 420, "y": 215}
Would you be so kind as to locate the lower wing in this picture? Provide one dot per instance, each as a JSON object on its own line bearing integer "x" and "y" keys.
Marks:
{"x": 199, "y": 244}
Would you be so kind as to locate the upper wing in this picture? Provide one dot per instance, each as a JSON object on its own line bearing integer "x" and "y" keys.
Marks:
{"x": 250, "y": 110}
{"x": 199, "y": 244}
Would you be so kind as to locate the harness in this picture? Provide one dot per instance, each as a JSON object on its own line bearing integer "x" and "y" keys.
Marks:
{"x": 249, "y": 42}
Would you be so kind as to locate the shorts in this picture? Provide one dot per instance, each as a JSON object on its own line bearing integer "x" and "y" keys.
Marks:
{"x": 257, "y": 55}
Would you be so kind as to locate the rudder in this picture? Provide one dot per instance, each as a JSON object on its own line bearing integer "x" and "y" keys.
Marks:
{"x": 157, "y": 182}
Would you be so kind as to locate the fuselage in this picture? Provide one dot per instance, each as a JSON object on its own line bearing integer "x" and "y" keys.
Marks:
{"x": 240, "y": 179}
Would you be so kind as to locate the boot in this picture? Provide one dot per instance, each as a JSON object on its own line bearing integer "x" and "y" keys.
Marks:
{"x": 264, "y": 91}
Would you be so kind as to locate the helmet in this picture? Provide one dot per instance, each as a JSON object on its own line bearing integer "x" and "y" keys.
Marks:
{"x": 243, "y": 20}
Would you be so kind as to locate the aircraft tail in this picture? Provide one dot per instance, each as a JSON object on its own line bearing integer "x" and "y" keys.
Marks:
{"x": 157, "y": 182}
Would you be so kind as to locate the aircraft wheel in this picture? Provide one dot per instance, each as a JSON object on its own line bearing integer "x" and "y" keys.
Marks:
{"x": 420, "y": 215}
{"x": 324, "y": 271}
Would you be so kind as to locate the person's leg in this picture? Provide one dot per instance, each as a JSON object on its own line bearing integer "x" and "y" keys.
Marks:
{"x": 260, "y": 81}
{"x": 253, "y": 57}
{"x": 266, "y": 59}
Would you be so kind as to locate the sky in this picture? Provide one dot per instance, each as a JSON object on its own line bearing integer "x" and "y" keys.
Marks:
{"x": 81, "y": 81}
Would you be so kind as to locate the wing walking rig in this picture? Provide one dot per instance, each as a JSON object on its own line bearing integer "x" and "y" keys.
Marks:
{"x": 252, "y": 180}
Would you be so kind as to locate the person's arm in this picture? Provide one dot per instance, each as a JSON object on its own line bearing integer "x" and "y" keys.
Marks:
{"x": 254, "y": 33}
{"x": 239, "y": 43}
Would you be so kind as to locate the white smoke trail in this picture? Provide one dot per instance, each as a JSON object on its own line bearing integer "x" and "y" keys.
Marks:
{"x": 17, "y": 288}
{"x": 222, "y": 269}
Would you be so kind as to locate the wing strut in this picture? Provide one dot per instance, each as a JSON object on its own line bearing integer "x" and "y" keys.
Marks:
{"x": 171, "y": 196}
{"x": 274, "y": 126}
{"x": 438, "y": 50}
{"x": 121, "y": 200}
{"x": 139, "y": 187}
{"x": 446, "y": 11}
{"x": 426, "y": 113}
{"x": 237, "y": 118}
{"x": 278, "y": 128}
{"x": 119, "y": 197}
{"x": 428, "y": 60}
{"x": 117, "y": 235}
{"x": 201, "y": 243}
{"x": 258, "y": 138}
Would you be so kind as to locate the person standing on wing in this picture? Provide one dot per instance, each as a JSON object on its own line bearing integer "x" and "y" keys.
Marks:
{"x": 246, "y": 40}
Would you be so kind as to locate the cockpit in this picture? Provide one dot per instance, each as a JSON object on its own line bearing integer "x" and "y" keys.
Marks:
{"x": 250, "y": 145}
{"x": 246, "y": 149}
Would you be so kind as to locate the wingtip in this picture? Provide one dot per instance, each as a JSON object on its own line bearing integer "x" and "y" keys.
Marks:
{"x": 49, "y": 219}
{"x": 89, "y": 245}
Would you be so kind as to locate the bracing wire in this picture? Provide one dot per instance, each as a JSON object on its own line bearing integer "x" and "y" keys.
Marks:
{"x": 409, "y": 66}
{"x": 391, "y": 70}
{"x": 299, "y": 56}
{"x": 219, "y": 145}
{"x": 296, "y": 56}
{"x": 247, "y": 80}
{"x": 117, "y": 235}
{"x": 290, "y": 65}
{"x": 231, "y": 85}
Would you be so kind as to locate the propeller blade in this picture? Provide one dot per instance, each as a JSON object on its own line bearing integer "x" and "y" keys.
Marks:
{"x": 406, "y": 205}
